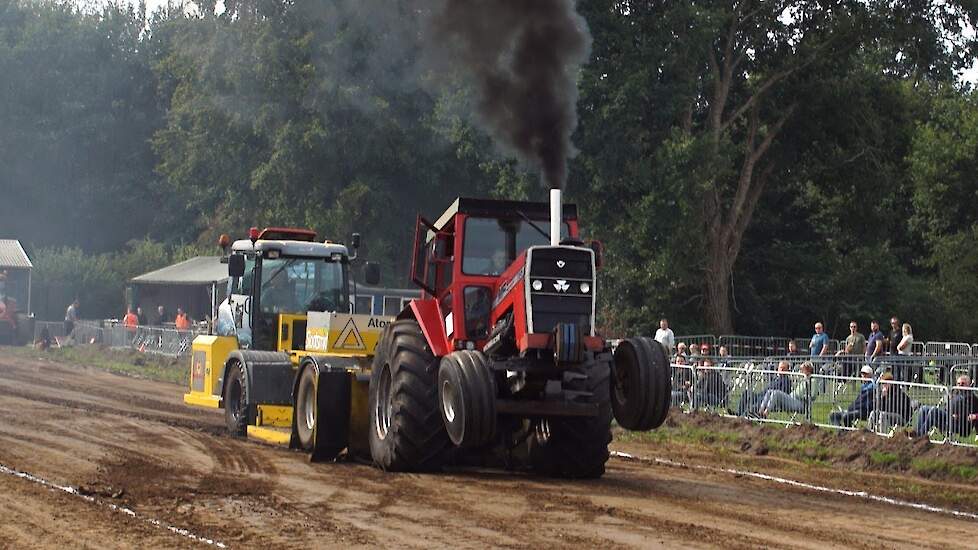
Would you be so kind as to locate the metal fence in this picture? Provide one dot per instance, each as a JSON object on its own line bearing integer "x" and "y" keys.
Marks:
{"x": 754, "y": 390}
{"x": 755, "y": 346}
{"x": 159, "y": 340}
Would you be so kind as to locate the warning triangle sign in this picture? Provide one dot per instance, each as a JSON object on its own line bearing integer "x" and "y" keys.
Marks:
{"x": 349, "y": 337}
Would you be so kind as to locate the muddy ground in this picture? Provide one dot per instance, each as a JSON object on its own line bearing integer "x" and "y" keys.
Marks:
{"x": 131, "y": 443}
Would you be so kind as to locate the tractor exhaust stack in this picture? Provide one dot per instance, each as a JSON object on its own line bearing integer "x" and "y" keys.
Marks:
{"x": 555, "y": 217}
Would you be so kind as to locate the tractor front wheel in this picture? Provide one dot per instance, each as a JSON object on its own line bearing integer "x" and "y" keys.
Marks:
{"x": 236, "y": 400}
{"x": 467, "y": 395}
{"x": 641, "y": 388}
{"x": 406, "y": 429}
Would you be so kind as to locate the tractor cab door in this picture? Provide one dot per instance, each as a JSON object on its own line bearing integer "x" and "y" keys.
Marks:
{"x": 434, "y": 255}
{"x": 234, "y": 313}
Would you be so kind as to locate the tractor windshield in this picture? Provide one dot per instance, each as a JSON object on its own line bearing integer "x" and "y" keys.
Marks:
{"x": 298, "y": 285}
{"x": 492, "y": 244}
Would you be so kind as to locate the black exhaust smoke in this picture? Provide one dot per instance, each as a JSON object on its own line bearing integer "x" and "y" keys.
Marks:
{"x": 524, "y": 56}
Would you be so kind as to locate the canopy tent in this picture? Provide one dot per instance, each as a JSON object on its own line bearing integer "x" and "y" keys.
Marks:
{"x": 196, "y": 285}
{"x": 15, "y": 274}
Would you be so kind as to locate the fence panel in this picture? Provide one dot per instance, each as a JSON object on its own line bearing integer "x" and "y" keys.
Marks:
{"x": 947, "y": 348}
{"x": 840, "y": 402}
{"x": 753, "y": 346}
{"x": 963, "y": 417}
{"x": 899, "y": 405}
{"x": 682, "y": 386}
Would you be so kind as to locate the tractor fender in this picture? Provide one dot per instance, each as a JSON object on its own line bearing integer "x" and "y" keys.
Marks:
{"x": 333, "y": 387}
{"x": 429, "y": 315}
{"x": 268, "y": 376}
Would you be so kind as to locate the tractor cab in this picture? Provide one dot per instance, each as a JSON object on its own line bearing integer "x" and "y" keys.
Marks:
{"x": 277, "y": 275}
{"x": 500, "y": 282}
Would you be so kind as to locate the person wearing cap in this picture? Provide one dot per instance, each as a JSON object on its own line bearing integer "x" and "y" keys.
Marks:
{"x": 861, "y": 406}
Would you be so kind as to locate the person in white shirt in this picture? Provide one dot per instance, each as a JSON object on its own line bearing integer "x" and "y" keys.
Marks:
{"x": 905, "y": 346}
{"x": 665, "y": 336}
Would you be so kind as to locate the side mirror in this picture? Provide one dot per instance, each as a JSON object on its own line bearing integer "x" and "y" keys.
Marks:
{"x": 598, "y": 249}
{"x": 371, "y": 273}
{"x": 236, "y": 265}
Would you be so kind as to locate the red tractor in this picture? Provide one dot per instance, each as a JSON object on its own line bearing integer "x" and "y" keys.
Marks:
{"x": 499, "y": 357}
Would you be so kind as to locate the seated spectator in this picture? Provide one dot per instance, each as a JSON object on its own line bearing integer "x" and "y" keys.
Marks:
{"x": 796, "y": 401}
{"x": 893, "y": 409}
{"x": 43, "y": 343}
{"x": 963, "y": 405}
{"x": 711, "y": 390}
{"x": 749, "y": 400}
{"x": 861, "y": 406}
{"x": 682, "y": 381}
{"x": 681, "y": 350}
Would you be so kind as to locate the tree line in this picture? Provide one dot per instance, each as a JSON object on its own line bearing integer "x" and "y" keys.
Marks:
{"x": 750, "y": 166}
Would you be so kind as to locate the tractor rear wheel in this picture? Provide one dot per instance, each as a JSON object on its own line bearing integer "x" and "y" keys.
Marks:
{"x": 576, "y": 447}
{"x": 236, "y": 400}
{"x": 467, "y": 396}
{"x": 406, "y": 429}
{"x": 641, "y": 387}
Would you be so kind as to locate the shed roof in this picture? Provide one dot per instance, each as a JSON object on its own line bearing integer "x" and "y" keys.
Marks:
{"x": 12, "y": 255}
{"x": 195, "y": 271}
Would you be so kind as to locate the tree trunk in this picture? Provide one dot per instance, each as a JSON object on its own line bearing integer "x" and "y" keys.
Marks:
{"x": 717, "y": 293}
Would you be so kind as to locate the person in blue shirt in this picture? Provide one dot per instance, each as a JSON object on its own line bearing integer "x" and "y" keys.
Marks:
{"x": 820, "y": 340}
{"x": 861, "y": 406}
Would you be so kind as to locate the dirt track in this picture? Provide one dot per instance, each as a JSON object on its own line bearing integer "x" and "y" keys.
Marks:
{"x": 132, "y": 443}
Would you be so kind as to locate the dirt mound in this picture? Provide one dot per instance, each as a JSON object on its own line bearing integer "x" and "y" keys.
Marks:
{"x": 858, "y": 450}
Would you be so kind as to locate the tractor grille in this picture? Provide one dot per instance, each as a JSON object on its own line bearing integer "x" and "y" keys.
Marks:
{"x": 561, "y": 299}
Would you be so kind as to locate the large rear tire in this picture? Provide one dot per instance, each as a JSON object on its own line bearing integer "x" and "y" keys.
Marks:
{"x": 236, "y": 400}
{"x": 641, "y": 384}
{"x": 467, "y": 398}
{"x": 576, "y": 447}
{"x": 406, "y": 428}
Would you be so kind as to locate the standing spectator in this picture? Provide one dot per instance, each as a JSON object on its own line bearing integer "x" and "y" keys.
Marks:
{"x": 694, "y": 354}
{"x": 894, "y": 407}
{"x": 905, "y": 346}
{"x": 855, "y": 345}
{"x": 71, "y": 317}
{"x": 896, "y": 334}
{"x": 130, "y": 321}
{"x": 820, "y": 341}
{"x": 874, "y": 347}
{"x": 855, "y": 342}
{"x": 861, "y": 406}
{"x": 140, "y": 316}
{"x": 181, "y": 321}
{"x": 964, "y": 412}
{"x": 161, "y": 316}
{"x": 705, "y": 350}
{"x": 665, "y": 336}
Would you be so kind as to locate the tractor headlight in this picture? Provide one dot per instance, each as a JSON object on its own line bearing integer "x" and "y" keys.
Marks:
{"x": 537, "y": 285}
{"x": 585, "y": 288}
